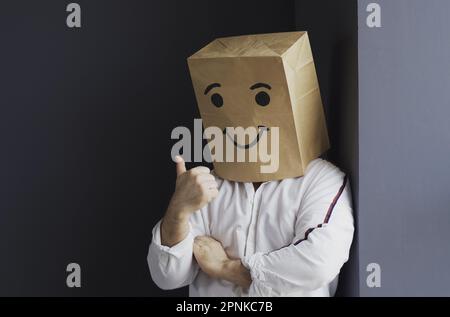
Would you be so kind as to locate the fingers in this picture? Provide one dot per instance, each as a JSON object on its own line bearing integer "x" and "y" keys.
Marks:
{"x": 209, "y": 187}
{"x": 199, "y": 245}
{"x": 213, "y": 193}
{"x": 206, "y": 181}
{"x": 197, "y": 184}
{"x": 229, "y": 252}
{"x": 199, "y": 240}
{"x": 198, "y": 251}
{"x": 202, "y": 178}
{"x": 180, "y": 165}
{"x": 204, "y": 240}
{"x": 209, "y": 184}
{"x": 199, "y": 170}
{"x": 206, "y": 244}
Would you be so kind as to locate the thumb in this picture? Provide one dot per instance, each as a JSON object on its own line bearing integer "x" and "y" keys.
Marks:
{"x": 181, "y": 168}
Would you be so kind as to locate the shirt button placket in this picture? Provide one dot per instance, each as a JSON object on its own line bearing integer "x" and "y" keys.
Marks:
{"x": 250, "y": 243}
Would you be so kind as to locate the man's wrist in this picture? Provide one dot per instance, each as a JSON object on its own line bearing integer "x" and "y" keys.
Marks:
{"x": 174, "y": 226}
{"x": 234, "y": 271}
{"x": 177, "y": 213}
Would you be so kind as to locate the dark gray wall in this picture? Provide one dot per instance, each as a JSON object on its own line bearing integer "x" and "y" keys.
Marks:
{"x": 404, "y": 147}
{"x": 85, "y": 123}
{"x": 332, "y": 29}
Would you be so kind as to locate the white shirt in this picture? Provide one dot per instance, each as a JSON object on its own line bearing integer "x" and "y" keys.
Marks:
{"x": 293, "y": 235}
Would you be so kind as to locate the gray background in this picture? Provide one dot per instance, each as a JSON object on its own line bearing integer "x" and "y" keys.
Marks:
{"x": 404, "y": 147}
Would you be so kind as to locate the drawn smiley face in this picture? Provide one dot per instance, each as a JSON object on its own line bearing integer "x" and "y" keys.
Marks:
{"x": 261, "y": 99}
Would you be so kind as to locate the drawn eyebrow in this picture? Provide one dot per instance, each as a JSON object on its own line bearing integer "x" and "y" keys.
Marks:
{"x": 259, "y": 85}
{"x": 211, "y": 86}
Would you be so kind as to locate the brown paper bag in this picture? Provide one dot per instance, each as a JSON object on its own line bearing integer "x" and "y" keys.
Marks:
{"x": 264, "y": 80}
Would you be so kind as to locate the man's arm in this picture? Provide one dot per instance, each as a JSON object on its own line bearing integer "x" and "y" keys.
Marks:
{"x": 324, "y": 232}
{"x": 194, "y": 189}
{"x": 170, "y": 257}
{"x": 213, "y": 260}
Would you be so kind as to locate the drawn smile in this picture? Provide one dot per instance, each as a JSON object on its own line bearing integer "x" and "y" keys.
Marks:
{"x": 233, "y": 138}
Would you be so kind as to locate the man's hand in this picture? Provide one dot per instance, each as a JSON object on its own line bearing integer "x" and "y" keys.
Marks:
{"x": 210, "y": 256}
{"x": 193, "y": 190}
{"x": 213, "y": 260}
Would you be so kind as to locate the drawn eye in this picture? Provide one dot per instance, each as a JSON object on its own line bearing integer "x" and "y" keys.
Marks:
{"x": 217, "y": 100}
{"x": 262, "y": 98}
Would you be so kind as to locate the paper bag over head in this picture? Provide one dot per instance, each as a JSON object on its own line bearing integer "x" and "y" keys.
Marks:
{"x": 262, "y": 81}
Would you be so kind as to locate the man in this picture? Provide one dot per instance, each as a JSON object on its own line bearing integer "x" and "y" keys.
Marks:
{"x": 242, "y": 232}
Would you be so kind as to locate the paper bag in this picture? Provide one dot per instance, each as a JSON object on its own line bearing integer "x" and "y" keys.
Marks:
{"x": 264, "y": 81}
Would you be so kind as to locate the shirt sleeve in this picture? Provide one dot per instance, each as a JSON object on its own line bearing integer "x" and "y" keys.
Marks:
{"x": 324, "y": 232}
{"x": 174, "y": 267}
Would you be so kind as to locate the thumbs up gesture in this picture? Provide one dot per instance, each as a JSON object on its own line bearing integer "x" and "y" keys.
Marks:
{"x": 194, "y": 189}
